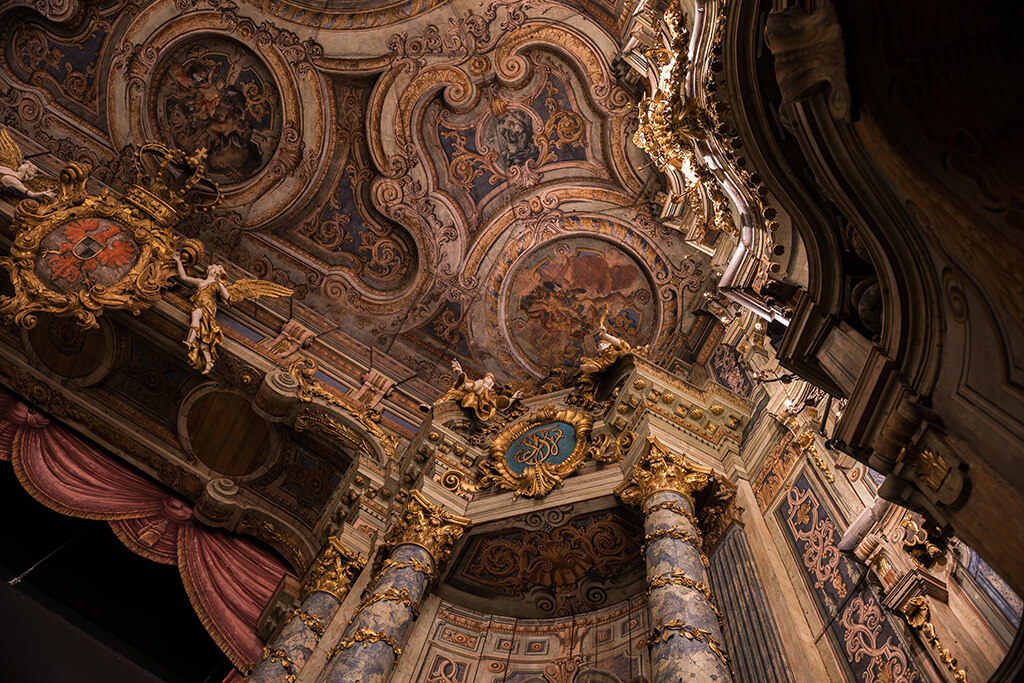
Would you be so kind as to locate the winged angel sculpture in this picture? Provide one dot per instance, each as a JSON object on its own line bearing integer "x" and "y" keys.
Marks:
{"x": 18, "y": 174}
{"x": 204, "y": 334}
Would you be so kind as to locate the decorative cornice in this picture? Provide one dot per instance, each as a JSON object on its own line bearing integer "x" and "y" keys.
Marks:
{"x": 662, "y": 470}
{"x": 333, "y": 571}
{"x": 429, "y": 526}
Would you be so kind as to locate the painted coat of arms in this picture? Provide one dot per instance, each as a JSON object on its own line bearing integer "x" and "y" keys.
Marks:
{"x": 78, "y": 254}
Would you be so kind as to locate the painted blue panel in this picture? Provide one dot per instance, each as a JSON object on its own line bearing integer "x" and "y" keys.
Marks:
{"x": 240, "y": 328}
{"x": 550, "y": 443}
{"x": 864, "y": 638}
{"x": 997, "y": 590}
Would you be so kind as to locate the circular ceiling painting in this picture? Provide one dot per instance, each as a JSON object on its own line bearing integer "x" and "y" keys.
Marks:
{"x": 559, "y": 292}
{"x": 216, "y": 93}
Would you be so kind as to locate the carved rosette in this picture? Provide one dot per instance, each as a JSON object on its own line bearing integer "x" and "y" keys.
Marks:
{"x": 661, "y": 469}
{"x": 429, "y": 526}
{"x": 333, "y": 571}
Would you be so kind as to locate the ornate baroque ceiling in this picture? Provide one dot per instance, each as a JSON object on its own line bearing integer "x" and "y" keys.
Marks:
{"x": 434, "y": 179}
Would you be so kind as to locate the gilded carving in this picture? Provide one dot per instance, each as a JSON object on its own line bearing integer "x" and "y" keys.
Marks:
{"x": 429, "y": 526}
{"x": 479, "y": 396}
{"x": 918, "y": 615}
{"x": 662, "y": 470}
{"x": 667, "y": 630}
{"x": 80, "y": 254}
{"x": 333, "y": 571}
{"x": 365, "y": 636}
{"x": 806, "y": 443}
{"x": 609, "y": 349}
{"x": 204, "y": 333}
{"x": 304, "y": 371}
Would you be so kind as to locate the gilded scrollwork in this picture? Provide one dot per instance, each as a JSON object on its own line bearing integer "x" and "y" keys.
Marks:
{"x": 429, "y": 526}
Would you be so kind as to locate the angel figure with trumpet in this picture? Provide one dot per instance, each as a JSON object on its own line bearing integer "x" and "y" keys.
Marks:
{"x": 204, "y": 334}
{"x": 18, "y": 174}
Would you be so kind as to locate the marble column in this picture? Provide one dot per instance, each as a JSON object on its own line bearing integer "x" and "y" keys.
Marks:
{"x": 326, "y": 584}
{"x": 420, "y": 545}
{"x": 686, "y": 638}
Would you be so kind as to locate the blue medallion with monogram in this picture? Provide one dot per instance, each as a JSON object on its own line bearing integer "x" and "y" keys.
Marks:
{"x": 546, "y": 444}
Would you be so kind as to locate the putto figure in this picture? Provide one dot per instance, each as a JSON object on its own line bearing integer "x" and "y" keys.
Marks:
{"x": 478, "y": 395}
{"x": 18, "y": 174}
{"x": 204, "y": 334}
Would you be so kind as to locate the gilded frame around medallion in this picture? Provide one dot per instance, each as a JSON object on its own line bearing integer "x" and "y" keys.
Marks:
{"x": 537, "y": 480}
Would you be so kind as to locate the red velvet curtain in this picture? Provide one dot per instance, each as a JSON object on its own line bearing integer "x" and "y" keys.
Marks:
{"x": 228, "y": 578}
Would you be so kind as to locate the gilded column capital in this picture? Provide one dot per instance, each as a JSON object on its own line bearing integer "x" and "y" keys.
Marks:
{"x": 333, "y": 571}
{"x": 429, "y": 526}
{"x": 661, "y": 469}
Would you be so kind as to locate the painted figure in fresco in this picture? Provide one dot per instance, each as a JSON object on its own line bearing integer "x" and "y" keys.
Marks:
{"x": 729, "y": 372}
{"x": 18, "y": 174}
{"x": 204, "y": 334}
{"x": 566, "y": 296}
{"x": 218, "y": 100}
{"x": 515, "y": 138}
{"x": 609, "y": 349}
{"x": 478, "y": 395}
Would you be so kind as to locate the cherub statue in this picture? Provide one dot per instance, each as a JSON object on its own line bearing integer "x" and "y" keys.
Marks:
{"x": 478, "y": 395}
{"x": 204, "y": 334}
{"x": 609, "y": 349}
{"x": 18, "y": 174}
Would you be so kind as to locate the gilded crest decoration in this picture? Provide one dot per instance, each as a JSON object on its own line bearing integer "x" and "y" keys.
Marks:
{"x": 537, "y": 453}
{"x": 80, "y": 253}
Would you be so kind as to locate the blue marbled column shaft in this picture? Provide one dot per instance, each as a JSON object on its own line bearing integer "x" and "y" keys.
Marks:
{"x": 284, "y": 658}
{"x": 676, "y": 609}
{"x": 358, "y": 660}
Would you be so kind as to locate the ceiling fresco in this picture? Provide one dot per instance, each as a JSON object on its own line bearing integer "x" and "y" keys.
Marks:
{"x": 434, "y": 180}
{"x": 217, "y": 95}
